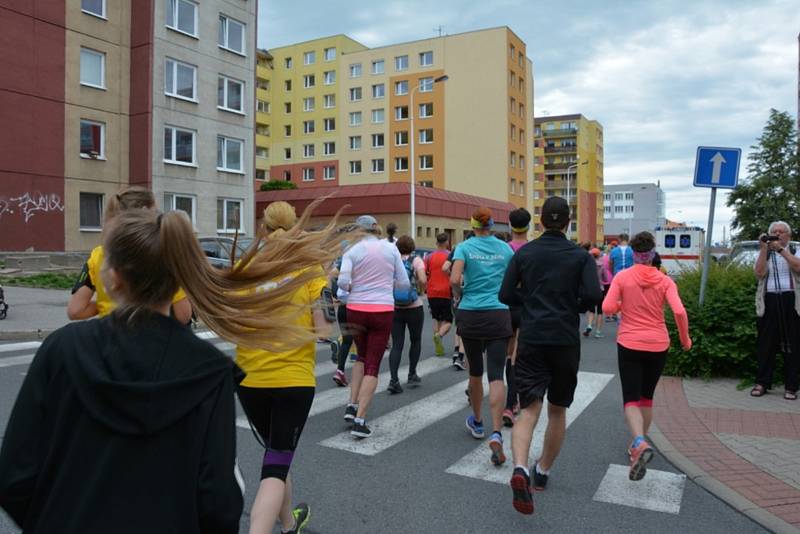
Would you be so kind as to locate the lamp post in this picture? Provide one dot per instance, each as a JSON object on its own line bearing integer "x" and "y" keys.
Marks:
{"x": 412, "y": 162}
{"x": 573, "y": 166}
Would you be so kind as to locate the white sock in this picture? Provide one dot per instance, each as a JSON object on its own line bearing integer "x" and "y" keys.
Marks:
{"x": 527, "y": 473}
{"x": 358, "y": 421}
{"x": 542, "y": 471}
{"x": 351, "y": 405}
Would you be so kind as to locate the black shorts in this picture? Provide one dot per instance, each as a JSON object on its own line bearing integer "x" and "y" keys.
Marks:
{"x": 483, "y": 324}
{"x": 441, "y": 309}
{"x": 551, "y": 369}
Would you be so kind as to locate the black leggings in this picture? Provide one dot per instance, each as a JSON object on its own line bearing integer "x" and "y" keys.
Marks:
{"x": 413, "y": 318}
{"x": 278, "y": 415}
{"x": 347, "y": 336}
{"x": 639, "y": 372}
{"x": 495, "y": 356}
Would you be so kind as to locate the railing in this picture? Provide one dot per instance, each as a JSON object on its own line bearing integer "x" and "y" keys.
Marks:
{"x": 561, "y": 132}
{"x": 560, "y": 149}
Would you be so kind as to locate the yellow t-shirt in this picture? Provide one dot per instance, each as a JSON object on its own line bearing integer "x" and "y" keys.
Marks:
{"x": 104, "y": 303}
{"x": 292, "y": 368}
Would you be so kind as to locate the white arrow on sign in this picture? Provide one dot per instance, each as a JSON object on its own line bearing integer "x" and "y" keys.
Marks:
{"x": 717, "y": 160}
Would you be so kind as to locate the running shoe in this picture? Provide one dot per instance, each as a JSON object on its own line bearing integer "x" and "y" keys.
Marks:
{"x": 539, "y": 480}
{"x": 587, "y": 331}
{"x": 496, "y": 445}
{"x": 437, "y": 343}
{"x": 353, "y": 356}
{"x": 414, "y": 380}
{"x": 508, "y": 418}
{"x": 340, "y": 378}
{"x": 361, "y": 430}
{"x": 350, "y": 412}
{"x": 394, "y": 387}
{"x": 475, "y": 427}
{"x": 598, "y": 335}
{"x": 640, "y": 457}
{"x": 458, "y": 362}
{"x": 301, "y": 514}
{"x": 521, "y": 487}
{"x": 334, "y": 351}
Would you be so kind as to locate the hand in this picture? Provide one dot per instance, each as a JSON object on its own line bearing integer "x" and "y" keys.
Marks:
{"x": 687, "y": 347}
{"x": 762, "y": 243}
{"x": 775, "y": 246}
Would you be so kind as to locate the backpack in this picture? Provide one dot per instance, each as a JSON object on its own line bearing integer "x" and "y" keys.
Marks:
{"x": 409, "y": 295}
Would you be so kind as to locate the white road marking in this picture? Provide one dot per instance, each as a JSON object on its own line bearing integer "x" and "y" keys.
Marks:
{"x": 25, "y": 345}
{"x": 16, "y": 360}
{"x": 658, "y": 491}
{"x": 206, "y": 334}
{"x": 476, "y": 464}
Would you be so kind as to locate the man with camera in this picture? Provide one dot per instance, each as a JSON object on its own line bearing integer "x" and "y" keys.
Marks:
{"x": 778, "y": 309}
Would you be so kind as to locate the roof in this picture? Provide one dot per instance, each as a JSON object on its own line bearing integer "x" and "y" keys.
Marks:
{"x": 558, "y": 118}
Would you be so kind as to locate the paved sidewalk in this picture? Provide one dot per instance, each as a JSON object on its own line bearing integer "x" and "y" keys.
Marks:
{"x": 745, "y": 450}
{"x": 33, "y": 313}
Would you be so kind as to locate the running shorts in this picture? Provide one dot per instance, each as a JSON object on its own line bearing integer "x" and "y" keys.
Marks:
{"x": 441, "y": 309}
{"x": 550, "y": 369}
{"x": 484, "y": 324}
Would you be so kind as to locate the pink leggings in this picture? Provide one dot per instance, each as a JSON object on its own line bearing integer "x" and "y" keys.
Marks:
{"x": 371, "y": 332}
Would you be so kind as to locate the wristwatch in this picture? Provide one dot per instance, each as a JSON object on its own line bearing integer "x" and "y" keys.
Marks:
{"x": 779, "y": 250}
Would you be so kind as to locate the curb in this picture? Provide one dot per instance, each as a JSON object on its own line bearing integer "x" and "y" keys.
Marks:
{"x": 717, "y": 488}
{"x": 26, "y": 335}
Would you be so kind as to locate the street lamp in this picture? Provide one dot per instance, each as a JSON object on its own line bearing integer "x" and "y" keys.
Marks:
{"x": 412, "y": 139}
{"x": 573, "y": 166}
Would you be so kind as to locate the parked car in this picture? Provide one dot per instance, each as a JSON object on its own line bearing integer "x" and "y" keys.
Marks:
{"x": 746, "y": 252}
{"x": 218, "y": 249}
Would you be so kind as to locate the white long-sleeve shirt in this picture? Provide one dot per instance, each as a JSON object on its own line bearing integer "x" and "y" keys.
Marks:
{"x": 370, "y": 271}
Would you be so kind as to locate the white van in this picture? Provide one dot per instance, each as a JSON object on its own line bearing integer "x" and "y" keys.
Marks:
{"x": 680, "y": 248}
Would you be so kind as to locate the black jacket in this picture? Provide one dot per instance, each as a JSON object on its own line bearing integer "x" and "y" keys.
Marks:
{"x": 126, "y": 430}
{"x": 554, "y": 280}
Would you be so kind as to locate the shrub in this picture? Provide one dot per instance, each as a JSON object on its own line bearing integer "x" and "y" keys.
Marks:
{"x": 277, "y": 185}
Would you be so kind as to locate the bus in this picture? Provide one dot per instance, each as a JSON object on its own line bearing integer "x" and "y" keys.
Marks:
{"x": 680, "y": 247}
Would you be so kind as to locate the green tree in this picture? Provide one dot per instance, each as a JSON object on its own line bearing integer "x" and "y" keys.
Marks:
{"x": 771, "y": 191}
{"x": 277, "y": 185}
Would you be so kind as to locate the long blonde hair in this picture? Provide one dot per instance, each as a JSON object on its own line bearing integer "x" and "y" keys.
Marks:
{"x": 154, "y": 254}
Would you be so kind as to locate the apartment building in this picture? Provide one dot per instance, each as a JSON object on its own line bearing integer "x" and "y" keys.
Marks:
{"x": 633, "y": 208}
{"x": 456, "y": 111}
{"x": 573, "y": 169}
{"x": 159, "y": 95}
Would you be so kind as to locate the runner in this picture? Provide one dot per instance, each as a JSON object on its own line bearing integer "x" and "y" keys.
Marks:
{"x": 370, "y": 269}
{"x": 520, "y": 220}
{"x": 346, "y": 337}
{"x": 391, "y": 230}
{"x": 150, "y": 404}
{"x": 439, "y": 296}
{"x": 278, "y": 390}
{"x": 484, "y": 323}
{"x": 594, "y": 317}
{"x": 643, "y": 341}
{"x": 621, "y": 257}
{"x": 90, "y": 283}
{"x": 408, "y": 313}
{"x": 608, "y": 275}
{"x": 459, "y": 360}
{"x": 554, "y": 280}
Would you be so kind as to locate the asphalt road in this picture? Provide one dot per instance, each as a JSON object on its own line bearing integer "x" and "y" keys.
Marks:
{"x": 425, "y": 473}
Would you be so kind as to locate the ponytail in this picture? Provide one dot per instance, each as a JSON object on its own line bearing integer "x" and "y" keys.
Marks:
{"x": 129, "y": 198}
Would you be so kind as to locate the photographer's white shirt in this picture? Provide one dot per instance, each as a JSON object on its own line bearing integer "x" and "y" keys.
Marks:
{"x": 784, "y": 281}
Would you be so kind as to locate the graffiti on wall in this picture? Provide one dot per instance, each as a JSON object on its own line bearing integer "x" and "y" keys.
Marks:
{"x": 28, "y": 205}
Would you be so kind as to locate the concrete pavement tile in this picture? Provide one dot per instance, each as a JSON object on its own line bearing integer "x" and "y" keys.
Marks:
{"x": 769, "y": 454}
{"x": 723, "y": 393}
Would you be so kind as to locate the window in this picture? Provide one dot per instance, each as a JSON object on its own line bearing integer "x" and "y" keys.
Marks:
{"x": 686, "y": 241}
{"x": 521, "y": 85}
{"x": 628, "y": 196}
{"x": 513, "y": 186}
{"x": 179, "y": 146}
{"x": 355, "y": 118}
{"x": 426, "y": 136}
{"x": 355, "y": 94}
{"x": 400, "y": 164}
{"x": 308, "y": 127}
{"x": 355, "y": 70}
{"x": 231, "y": 35}
{"x": 522, "y": 188}
{"x": 400, "y": 113}
{"x": 401, "y": 88}
{"x": 261, "y": 83}
{"x": 378, "y": 90}
{"x": 309, "y": 58}
{"x": 377, "y": 165}
{"x": 287, "y": 84}
{"x": 329, "y": 77}
{"x": 426, "y": 162}
{"x": 263, "y": 106}
{"x": 93, "y": 140}
{"x": 426, "y": 110}
{"x": 425, "y": 85}
{"x": 261, "y": 174}
{"x": 229, "y": 215}
{"x": 329, "y": 172}
{"x": 91, "y": 216}
{"x": 513, "y": 105}
{"x": 522, "y": 110}
{"x": 287, "y": 130}
{"x": 93, "y": 68}
{"x": 400, "y": 138}
{"x": 401, "y": 63}
{"x": 262, "y": 152}
{"x": 182, "y": 16}
{"x": 309, "y": 81}
{"x": 426, "y": 59}
{"x": 377, "y": 66}
{"x": 287, "y": 153}
{"x": 329, "y": 101}
{"x": 521, "y": 162}
{"x": 229, "y": 154}
{"x": 511, "y": 50}
{"x": 308, "y": 174}
{"x": 520, "y": 58}
{"x": 512, "y": 159}
{"x": 355, "y": 167}
{"x": 618, "y": 196}
{"x": 377, "y": 140}
{"x": 186, "y": 203}
{"x": 329, "y": 124}
{"x": 513, "y": 132}
{"x": 355, "y": 142}
{"x": 522, "y": 136}
{"x": 94, "y": 7}
{"x": 308, "y": 103}
{"x": 378, "y": 116}
{"x": 618, "y": 209}
{"x": 329, "y": 148}
{"x": 308, "y": 151}
{"x": 287, "y": 63}
{"x": 329, "y": 54}
{"x": 230, "y": 94}
{"x": 669, "y": 241}
{"x": 287, "y": 176}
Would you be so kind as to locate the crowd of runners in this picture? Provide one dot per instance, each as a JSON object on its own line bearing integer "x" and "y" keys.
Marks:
{"x": 137, "y": 380}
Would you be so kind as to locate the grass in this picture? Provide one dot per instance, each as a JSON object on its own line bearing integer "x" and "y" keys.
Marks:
{"x": 43, "y": 280}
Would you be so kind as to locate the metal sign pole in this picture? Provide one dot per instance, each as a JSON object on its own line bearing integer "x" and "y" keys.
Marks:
{"x": 707, "y": 251}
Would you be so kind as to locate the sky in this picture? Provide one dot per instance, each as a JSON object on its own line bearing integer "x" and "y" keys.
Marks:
{"x": 661, "y": 77}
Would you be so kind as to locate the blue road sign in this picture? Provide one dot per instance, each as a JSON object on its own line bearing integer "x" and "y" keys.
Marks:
{"x": 717, "y": 167}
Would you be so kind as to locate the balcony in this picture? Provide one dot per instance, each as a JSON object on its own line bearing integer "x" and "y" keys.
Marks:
{"x": 561, "y": 132}
{"x": 262, "y": 94}
{"x": 262, "y": 140}
{"x": 262, "y": 118}
{"x": 560, "y": 166}
{"x": 560, "y": 149}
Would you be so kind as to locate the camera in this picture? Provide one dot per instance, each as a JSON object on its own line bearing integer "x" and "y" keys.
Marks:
{"x": 767, "y": 238}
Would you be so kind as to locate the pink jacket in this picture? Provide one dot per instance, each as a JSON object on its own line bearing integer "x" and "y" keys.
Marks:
{"x": 639, "y": 293}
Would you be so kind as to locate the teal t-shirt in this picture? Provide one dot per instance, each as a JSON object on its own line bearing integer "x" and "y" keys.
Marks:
{"x": 485, "y": 261}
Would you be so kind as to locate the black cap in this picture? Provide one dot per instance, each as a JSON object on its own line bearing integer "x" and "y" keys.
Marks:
{"x": 555, "y": 213}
